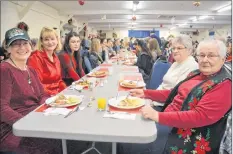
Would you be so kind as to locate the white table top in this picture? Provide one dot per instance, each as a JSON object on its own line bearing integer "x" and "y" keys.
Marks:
{"x": 89, "y": 124}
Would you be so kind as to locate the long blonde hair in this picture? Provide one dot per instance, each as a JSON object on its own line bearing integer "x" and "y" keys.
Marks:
{"x": 95, "y": 45}
{"x": 47, "y": 32}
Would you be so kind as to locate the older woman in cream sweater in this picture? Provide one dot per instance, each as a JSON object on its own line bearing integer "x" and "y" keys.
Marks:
{"x": 183, "y": 65}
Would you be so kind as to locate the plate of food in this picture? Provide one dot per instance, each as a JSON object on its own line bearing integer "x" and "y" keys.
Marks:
{"x": 126, "y": 103}
{"x": 132, "y": 84}
{"x": 63, "y": 100}
{"x": 84, "y": 83}
{"x": 97, "y": 74}
{"x": 128, "y": 63}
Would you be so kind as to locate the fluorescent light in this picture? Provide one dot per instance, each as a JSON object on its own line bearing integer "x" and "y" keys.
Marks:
{"x": 184, "y": 24}
{"x": 134, "y": 7}
{"x": 132, "y": 23}
{"x": 135, "y": 3}
{"x": 225, "y": 8}
{"x": 194, "y": 18}
{"x": 173, "y": 28}
{"x": 203, "y": 17}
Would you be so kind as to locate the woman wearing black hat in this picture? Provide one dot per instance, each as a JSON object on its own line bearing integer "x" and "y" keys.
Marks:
{"x": 23, "y": 92}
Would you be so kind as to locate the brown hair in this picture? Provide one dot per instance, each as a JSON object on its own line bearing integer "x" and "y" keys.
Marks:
{"x": 154, "y": 46}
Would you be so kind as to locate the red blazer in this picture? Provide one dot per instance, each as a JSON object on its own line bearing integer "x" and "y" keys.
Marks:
{"x": 69, "y": 66}
{"x": 49, "y": 72}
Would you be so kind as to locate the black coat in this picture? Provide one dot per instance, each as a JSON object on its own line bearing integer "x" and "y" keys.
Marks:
{"x": 145, "y": 63}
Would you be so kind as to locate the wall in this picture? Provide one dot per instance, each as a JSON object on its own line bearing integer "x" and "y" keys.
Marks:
{"x": 124, "y": 33}
{"x": 120, "y": 33}
{"x": 220, "y": 32}
{"x": 38, "y": 16}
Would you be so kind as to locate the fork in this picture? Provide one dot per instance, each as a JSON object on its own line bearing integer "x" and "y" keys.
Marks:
{"x": 72, "y": 111}
{"x": 117, "y": 95}
{"x": 127, "y": 96}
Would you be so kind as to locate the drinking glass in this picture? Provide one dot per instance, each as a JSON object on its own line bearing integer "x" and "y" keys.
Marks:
{"x": 102, "y": 102}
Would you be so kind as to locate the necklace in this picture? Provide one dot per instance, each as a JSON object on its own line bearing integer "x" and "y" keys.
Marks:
{"x": 29, "y": 77}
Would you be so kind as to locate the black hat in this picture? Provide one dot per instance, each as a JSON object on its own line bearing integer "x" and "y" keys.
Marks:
{"x": 15, "y": 34}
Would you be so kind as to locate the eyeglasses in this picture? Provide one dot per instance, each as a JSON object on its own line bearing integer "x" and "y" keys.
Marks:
{"x": 178, "y": 48}
{"x": 200, "y": 57}
{"x": 18, "y": 44}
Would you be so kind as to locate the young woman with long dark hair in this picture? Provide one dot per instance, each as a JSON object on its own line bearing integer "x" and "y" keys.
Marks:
{"x": 70, "y": 59}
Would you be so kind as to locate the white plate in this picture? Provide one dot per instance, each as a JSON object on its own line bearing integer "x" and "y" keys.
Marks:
{"x": 140, "y": 84}
{"x": 52, "y": 99}
{"x": 91, "y": 79}
{"x": 91, "y": 74}
{"x": 114, "y": 102}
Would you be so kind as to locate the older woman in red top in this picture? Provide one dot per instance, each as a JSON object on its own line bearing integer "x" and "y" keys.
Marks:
{"x": 70, "y": 59}
{"x": 194, "y": 116}
{"x": 21, "y": 92}
{"x": 46, "y": 62}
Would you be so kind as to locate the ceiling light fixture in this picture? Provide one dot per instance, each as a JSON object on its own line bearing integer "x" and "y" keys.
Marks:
{"x": 131, "y": 27}
{"x": 203, "y": 17}
{"x": 104, "y": 17}
{"x": 184, "y": 24}
{"x": 194, "y": 19}
{"x": 132, "y": 23}
{"x": 135, "y": 4}
{"x": 173, "y": 28}
{"x": 225, "y": 8}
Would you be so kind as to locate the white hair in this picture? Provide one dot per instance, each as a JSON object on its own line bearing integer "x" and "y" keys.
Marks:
{"x": 222, "y": 49}
{"x": 184, "y": 40}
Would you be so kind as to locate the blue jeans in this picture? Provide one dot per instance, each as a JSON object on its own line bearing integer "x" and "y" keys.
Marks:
{"x": 155, "y": 147}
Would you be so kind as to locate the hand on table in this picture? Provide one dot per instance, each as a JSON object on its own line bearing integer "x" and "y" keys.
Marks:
{"x": 149, "y": 113}
{"x": 137, "y": 92}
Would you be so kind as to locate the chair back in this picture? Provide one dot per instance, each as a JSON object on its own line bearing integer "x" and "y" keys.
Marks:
{"x": 159, "y": 69}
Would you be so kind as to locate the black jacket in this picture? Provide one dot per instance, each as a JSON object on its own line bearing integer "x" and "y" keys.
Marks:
{"x": 145, "y": 63}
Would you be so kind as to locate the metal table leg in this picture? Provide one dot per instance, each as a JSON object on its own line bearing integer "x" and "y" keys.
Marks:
{"x": 92, "y": 148}
{"x": 64, "y": 147}
{"x": 114, "y": 148}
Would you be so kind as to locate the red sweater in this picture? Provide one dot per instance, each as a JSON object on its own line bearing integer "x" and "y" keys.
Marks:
{"x": 49, "y": 72}
{"x": 212, "y": 106}
{"x": 18, "y": 98}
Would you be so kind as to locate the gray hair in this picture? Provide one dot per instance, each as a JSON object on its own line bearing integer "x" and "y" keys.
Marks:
{"x": 184, "y": 40}
{"x": 222, "y": 49}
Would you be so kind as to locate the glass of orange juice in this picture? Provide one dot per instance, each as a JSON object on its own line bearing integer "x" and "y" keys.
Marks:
{"x": 102, "y": 102}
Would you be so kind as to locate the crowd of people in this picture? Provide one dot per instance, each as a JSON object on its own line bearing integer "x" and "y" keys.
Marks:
{"x": 33, "y": 70}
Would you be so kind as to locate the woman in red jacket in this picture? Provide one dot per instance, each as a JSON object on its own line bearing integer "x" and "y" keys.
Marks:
{"x": 70, "y": 59}
{"x": 46, "y": 63}
{"x": 194, "y": 116}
